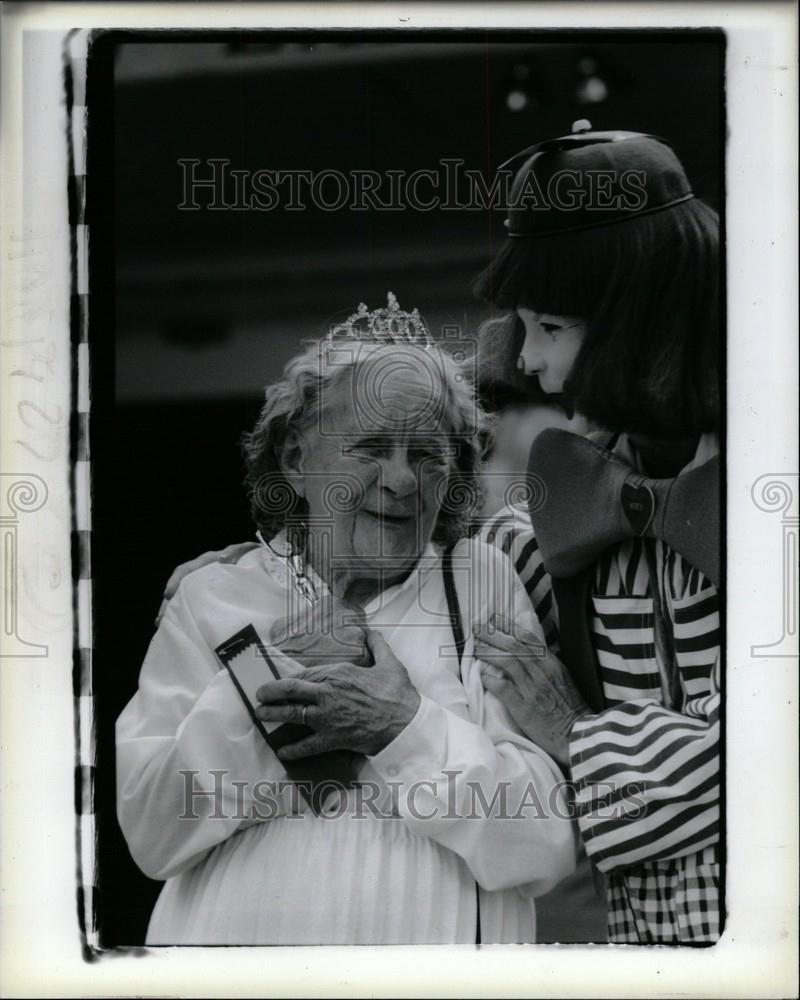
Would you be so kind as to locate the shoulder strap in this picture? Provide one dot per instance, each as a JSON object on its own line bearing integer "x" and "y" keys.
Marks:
{"x": 572, "y": 598}
{"x": 453, "y": 606}
{"x": 457, "y": 626}
{"x": 663, "y": 633}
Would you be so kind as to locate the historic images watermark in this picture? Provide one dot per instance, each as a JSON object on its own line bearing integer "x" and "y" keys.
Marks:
{"x": 777, "y": 493}
{"x": 214, "y": 185}
{"x": 215, "y": 795}
{"x": 21, "y": 494}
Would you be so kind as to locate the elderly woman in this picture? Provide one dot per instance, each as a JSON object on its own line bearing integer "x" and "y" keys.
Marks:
{"x": 364, "y": 456}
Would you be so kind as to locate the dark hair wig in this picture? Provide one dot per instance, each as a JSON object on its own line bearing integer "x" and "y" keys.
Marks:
{"x": 649, "y": 290}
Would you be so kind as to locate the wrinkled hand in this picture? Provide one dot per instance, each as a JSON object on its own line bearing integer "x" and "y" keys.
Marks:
{"x": 327, "y": 631}
{"x": 533, "y": 685}
{"x": 231, "y": 554}
{"x": 348, "y": 707}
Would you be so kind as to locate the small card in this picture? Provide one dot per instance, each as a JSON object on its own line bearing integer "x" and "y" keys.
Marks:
{"x": 250, "y": 664}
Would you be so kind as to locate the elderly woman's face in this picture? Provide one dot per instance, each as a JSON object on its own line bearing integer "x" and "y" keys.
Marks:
{"x": 374, "y": 467}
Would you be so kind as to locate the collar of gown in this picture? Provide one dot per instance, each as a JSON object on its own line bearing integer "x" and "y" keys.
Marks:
{"x": 277, "y": 562}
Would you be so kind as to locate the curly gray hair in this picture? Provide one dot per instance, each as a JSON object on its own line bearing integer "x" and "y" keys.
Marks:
{"x": 294, "y": 402}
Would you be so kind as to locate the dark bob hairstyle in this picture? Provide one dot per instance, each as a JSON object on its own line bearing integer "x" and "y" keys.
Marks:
{"x": 649, "y": 290}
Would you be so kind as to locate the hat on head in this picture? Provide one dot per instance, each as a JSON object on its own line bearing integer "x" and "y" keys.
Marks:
{"x": 588, "y": 179}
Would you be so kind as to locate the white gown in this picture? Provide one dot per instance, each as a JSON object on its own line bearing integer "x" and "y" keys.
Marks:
{"x": 250, "y": 863}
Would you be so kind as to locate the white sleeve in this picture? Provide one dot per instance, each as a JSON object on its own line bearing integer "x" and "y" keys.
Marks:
{"x": 497, "y": 806}
{"x": 480, "y": 788}
{"x": 183, "y": 742}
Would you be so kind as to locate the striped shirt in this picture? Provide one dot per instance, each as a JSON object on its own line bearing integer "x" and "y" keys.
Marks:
{"x": 646, "y": 768}
{"x": 510, "y": 530}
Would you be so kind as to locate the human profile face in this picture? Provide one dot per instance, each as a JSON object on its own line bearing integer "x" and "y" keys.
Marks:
{"x": 551, "y": 345}
{"x": 374, "y": 466}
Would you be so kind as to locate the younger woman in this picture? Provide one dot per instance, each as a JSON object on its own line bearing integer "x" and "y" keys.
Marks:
{"x": 611, "y": 275}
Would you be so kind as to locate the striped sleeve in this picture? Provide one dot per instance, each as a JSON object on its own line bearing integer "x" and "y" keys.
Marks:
{"x": 647, "y": 779}
{"x": 511, "y": 531}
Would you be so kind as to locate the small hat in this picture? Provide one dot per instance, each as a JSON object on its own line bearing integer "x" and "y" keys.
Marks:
{"x": 588, "y": 179}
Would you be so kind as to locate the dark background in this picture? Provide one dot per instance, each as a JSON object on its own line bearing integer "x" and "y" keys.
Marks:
{"x": 192, "y": 313}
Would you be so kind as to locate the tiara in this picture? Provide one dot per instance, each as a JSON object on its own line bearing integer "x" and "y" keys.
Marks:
{"x": 390, "y": 325}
